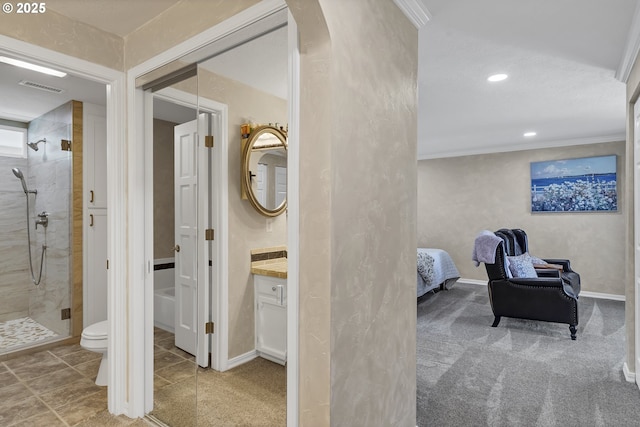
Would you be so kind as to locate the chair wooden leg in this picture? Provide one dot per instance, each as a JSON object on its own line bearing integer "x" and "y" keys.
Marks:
{"x": 496, "y": 321}
{"x": 572, "y": 328}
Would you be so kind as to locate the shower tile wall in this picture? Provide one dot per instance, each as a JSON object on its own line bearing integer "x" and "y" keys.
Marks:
{"x": 14, "y": 262}
{"x": 49, "y": 170}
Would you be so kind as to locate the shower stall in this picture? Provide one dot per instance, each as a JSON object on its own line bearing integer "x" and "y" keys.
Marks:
{"x": 35, "y": 236}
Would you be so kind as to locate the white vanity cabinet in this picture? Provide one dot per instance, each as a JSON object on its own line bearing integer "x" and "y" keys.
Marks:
{"x": 271, "y": 317}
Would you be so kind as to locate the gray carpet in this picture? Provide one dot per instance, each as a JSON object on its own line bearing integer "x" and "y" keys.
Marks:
{"x": 522, "y": 373}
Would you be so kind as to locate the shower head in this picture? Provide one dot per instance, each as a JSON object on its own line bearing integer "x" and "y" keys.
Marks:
{"x": 18, "y": 173}
{"x": 34, "y": 145}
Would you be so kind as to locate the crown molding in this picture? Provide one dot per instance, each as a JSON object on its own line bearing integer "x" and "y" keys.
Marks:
{"x": 415, "y": 11}
{"x": 631, "y": 49}
{"x": 522, "y": 147}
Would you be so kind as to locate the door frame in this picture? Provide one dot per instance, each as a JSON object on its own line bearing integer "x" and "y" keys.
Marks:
{"x": 140, "y": 322}
{"x": 115, "y": 82}
{"x": 220, "y": 174}
{"x": 635, "y": 111}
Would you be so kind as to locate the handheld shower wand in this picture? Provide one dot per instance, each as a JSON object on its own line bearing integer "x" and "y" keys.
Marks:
{"x": 18, "y": 173}
{"x": 44, "y": 221}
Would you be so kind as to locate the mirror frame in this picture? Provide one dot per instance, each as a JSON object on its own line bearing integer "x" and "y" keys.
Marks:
{"x": 246, "y": 173}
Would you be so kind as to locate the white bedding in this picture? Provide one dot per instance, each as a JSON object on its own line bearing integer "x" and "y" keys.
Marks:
{"x": 435, "y": 268}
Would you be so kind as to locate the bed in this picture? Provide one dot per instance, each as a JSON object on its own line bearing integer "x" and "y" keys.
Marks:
{"x": 436, "y": 270}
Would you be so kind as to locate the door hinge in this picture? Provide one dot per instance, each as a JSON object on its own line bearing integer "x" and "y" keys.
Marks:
{"x": 208, "y": 141}
{"x": 65, "y": 145}
{"x": 209, "y": 234}
{"x": 65, "y": 314}
{"x": 209, "y": 328}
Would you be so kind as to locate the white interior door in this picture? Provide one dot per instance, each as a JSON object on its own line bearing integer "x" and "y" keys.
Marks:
{"x": 636, "y": 242}
{"x": 261, "y": 183}
{"x": 281, "y": 185}
{"x": 186, "y": 233}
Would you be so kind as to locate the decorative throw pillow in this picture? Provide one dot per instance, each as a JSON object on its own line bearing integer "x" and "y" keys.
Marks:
{"x": 535, "y": 260}
{"x": 521, "y": 266}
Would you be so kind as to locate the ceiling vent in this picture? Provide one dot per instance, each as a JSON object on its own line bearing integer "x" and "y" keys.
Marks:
{"x": 40, "y": 86}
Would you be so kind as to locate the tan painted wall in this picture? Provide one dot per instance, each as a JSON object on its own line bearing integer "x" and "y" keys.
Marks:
{"x": 458, "y": 197}
{"x": 247, "y": 228}
{"x": 163, "y": 190}
{"x": 177, "y": 24}
{"x": 358, "y": 167}
{"x": 57, "y": 32}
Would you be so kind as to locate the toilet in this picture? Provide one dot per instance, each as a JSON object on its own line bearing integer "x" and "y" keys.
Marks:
{"x": 94, "y": 338}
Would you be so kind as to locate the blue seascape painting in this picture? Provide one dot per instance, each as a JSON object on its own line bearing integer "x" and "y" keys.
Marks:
{"x": 575, "y": 185}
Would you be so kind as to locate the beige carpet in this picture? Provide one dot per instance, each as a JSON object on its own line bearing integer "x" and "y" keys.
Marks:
{"x": 253, "y": 394}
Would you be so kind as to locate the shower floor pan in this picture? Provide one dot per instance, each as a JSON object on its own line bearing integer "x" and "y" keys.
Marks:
{"x": 23, "y": 332}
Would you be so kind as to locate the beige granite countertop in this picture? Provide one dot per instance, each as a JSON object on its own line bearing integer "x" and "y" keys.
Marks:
{"x": 276, "y": 267}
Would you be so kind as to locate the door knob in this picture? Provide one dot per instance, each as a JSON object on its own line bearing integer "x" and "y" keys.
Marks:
{"x": 176, "y": 248}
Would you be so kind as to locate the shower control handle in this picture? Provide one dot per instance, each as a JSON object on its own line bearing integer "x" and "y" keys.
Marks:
{"x": 43, "y": 219}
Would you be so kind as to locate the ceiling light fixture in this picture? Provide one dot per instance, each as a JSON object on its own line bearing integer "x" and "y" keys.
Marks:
{"x": 32, "y": 67}
{"x": 497, "y": 77}
{"x": 529, "y": 134}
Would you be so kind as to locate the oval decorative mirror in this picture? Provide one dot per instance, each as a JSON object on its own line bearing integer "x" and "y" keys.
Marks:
{"x": 264, "y": 170}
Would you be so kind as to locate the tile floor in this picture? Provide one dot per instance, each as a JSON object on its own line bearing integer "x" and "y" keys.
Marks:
{"x": 55, "y": 388}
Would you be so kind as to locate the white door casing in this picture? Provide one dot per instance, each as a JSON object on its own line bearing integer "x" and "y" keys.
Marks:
{"x": 636, "y": 242}
{"x": 186, "y": 233}
{"x": 204, "y": 247}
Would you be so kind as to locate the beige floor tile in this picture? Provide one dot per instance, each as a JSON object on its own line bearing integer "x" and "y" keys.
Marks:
{"x": 164, "y": 359}
{"x": 21, "y": 410}
{"x": 66, "y": 349}
{"x": 89, "y": 369}
{"x": 83, "y": 409}
{"x": 159, "y": 382}
{"x": 79, "y": 357}
{"x": 7, "y": 378}
{"x": 54, "y": 380}
{"x": 46, "y": 419}
{"x": 70, "y": 393}
{"x": 35, "y": 365}
{"x": 12, "y": 394}
{"x": 179, "y": 372}
{"x": 105, "y": 419}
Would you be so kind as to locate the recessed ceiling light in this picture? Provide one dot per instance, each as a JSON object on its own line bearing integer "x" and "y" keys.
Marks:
{"x": 530, "y": 134}
{"x": 32, "y": 67}
{"x": 497, "y": 77}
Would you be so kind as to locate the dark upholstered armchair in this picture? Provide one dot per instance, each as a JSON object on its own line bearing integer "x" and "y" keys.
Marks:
{"x": 550, "y": 297}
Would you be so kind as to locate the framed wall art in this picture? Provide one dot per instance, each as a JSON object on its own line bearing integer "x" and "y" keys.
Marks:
{"x": 586, "y": 184}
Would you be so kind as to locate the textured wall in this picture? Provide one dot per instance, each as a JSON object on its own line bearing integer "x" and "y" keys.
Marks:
{"x": 57, "y": 32}
{"x": 460, "y": 196}
{"x": 362, "y": 167}
{"x": 163, "y": 190}
{"x": 177, "y": 24}
{"x": 247, "y": 228}
{"x": 50, "y": 174}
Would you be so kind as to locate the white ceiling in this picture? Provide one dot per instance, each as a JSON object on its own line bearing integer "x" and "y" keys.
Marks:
{"x": 561, "y": 57}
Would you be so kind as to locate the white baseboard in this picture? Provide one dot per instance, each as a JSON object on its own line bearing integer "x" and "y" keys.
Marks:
{"x": 588, "y": 294}
{"x": 243, "y": 358}
{"x": 472, "y": 281}
{"x": 628, "y": 375}
{"x": 602, "y": 295}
